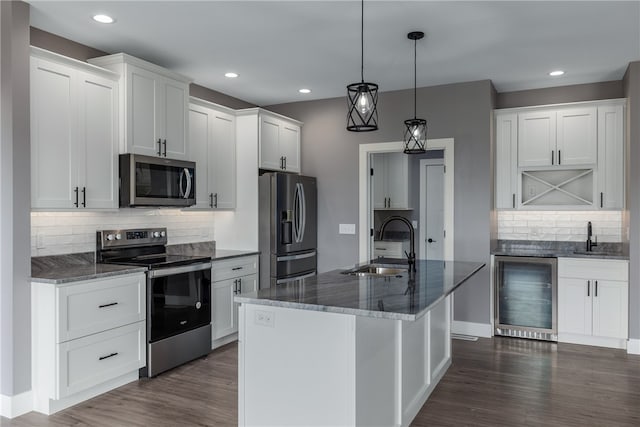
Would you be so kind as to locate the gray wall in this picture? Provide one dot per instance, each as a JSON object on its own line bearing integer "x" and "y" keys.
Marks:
{"x": 66, "y": 47}
{"x": 15, "y": 200}
{"x": 632, "y": 215}
{"x": 461, "y": 111}
{"x": 560, "y": 94}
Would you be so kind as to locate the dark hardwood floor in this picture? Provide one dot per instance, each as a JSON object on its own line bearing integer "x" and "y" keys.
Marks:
{"x": 492, "y": 382}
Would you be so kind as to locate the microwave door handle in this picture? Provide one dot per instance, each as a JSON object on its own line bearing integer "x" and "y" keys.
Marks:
{"x": 189, "y": 179}
{"x": 180, "y": 183}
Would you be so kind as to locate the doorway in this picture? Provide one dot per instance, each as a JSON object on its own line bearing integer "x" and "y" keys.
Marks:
{"x": 365, "y": 196}
{"x": 432, "y": 233}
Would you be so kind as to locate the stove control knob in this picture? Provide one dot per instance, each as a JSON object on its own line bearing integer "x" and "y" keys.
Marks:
{"x": 118, "y": 236}
{"x": 110, "y": 236}
{"x": 156, "y": 234}
{"x": 162, "y": 234}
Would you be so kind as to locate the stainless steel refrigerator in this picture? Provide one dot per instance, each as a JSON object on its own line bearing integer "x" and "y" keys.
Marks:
{"x": 287, "y": 228}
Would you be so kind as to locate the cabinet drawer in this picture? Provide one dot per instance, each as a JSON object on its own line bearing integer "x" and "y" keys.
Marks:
{"x": 86, "y": 362}
{"x": 235, "y": 267}
{"x": 98, "y": 305}
{"x": 593, "y": 269}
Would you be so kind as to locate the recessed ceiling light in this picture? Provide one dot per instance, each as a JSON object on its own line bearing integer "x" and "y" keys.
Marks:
{"x": 231, "y": 75}
{"x": 304, "y": 90}
{"x": 556, "y": 73}
{"x": 103, "y": 19}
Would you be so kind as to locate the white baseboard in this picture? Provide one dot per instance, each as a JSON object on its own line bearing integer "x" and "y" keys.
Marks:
{"x": 470, "y": 328}
{"x": 224, "y": 341}
{"x": 620, "y": 343}
{"x": 633, "y": 346}
{"x": 14, "y": 406}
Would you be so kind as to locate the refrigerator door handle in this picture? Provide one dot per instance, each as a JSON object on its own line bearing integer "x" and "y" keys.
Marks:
{"x": 293, "y": 279}
{"x": 295, "y": 257}
{"x": 302, "y": 212}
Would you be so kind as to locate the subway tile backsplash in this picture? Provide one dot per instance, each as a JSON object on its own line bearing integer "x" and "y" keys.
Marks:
{"x": 563, "y": 226}
{"x": 56, "y": 233}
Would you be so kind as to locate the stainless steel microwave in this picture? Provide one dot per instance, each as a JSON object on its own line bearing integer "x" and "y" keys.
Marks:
{"x": 155, "y": 181}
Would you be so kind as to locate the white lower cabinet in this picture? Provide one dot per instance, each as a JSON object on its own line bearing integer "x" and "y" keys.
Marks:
{"x": 230, "y": 277}
{"x": 88, "y": 337}
{"x": 593, "y": 301}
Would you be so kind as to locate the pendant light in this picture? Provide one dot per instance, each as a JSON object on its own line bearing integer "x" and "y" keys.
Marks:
{"x": 415, "y": 133}
{"x": 362, "y": 97}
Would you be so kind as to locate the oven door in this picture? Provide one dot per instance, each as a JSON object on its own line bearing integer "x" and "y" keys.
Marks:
{"x": 178, "y": 300}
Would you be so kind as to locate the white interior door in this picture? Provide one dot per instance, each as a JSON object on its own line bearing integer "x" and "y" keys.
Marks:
{"x": 434, "y": 243}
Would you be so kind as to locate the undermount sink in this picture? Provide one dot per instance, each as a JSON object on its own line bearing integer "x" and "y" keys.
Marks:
{"x": 595, "y": 253}
{"x": 376, "y": 270}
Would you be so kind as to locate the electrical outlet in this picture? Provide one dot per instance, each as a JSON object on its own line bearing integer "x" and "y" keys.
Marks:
{"x": 265, "y": 318}
{"x": 347, "y": 229}
{"x": 415, "y": 224}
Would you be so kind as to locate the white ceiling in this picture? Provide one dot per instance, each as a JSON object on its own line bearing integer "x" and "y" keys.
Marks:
{"x": 278, "y": 47}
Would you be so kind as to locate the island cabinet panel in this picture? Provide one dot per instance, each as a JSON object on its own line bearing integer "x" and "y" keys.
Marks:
{"x": 309, "y": 367}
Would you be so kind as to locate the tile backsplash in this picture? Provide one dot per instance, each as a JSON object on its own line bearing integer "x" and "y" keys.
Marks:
{"x": 565, "y": 226}
{"x": 55, "y": 233}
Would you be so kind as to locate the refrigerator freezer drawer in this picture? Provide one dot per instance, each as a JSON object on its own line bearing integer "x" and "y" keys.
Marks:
{"x": 293, "y": 264}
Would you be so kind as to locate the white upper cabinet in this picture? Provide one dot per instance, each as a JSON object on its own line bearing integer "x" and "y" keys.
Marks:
{"x": 390, "y": 180}
{"x": 212, "y": 139}
{"x": 155, "y": 105}
{"x": 279, "y": 143}
{"x": 569, "y": 156}
{"x": 506, "y": 160}
{"x": 74, "y": 134}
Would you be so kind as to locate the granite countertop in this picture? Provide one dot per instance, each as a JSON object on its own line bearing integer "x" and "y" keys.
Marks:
{"x": 207, "y": 249}
{"x": 553, "y": 249}
{"x": 396, "y": 297}
{"x": 60, "y": 269}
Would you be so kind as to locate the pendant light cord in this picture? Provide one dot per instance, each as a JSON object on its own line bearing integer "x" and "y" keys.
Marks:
{"x": 362, "y": 41}
{"x": 415, "y": 78}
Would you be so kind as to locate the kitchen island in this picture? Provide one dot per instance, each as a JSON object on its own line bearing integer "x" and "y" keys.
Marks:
{"x": 340, "y": 349}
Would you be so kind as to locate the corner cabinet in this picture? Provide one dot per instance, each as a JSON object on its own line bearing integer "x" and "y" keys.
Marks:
{"x": 212, "y": 140}
{"x": 593, "y": 301}
{"x": 154, "y": 107}
{"x": 88, "y": 337}
{"x": 390, "y": 176}
{"x": 279, "y": 142}
{"x": 567, "y": 156}
{"x": 230, "y": 277}
{"x": 74, "y": 134}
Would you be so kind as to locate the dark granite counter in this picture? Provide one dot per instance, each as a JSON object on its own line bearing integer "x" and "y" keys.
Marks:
{"x": 207, "y": 249}
{"x": 59, "y": 269}
{"x": 397, "y": 297}
{"x": 553, "y": 249}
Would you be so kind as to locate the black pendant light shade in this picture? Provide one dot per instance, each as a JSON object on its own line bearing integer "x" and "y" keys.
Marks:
{"x": 362, "y": 97}
{"x": 415, "y": 133}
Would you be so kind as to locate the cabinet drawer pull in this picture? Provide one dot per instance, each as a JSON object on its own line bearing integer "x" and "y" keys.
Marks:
{"x": 237, "y": 268}
{"x": 108, "y": 356}
{"x": 108, "y": 305}
{"x": 381, "y": 249}
{"x": 588, "y": 286}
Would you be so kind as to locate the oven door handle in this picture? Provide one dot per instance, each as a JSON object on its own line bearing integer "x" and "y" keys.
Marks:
{"x": 162, "y": 272}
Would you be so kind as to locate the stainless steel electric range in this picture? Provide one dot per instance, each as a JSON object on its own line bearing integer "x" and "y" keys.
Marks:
{"x": 178, "y": 295}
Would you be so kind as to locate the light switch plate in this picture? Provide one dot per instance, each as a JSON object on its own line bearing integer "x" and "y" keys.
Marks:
{"x": 347, "y": 229}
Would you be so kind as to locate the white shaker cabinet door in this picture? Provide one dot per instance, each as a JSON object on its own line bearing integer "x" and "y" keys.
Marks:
{"x": 379, "y": 191}
{"x": 537, "y": 139}
{"x": 611, "y": 157}
{"x": 98, "y": 155}
{"x": 199, "y": 131}
{"x": 577, "y": 142}
{"x": 506, "y": 161}
{"x": 223, "y": 160}
{"x": 173, "y": 107}
{"x": 574, "y": 306}
{"x": 54, "y": 135}
{"x": 270, "y": 157}
{"x": 397, "y": 180}
{"x": 290, "y": 146}
{"x": 610, "y": 306}
{"x": 223, "y": 316}
{"x": 142, "y": 104}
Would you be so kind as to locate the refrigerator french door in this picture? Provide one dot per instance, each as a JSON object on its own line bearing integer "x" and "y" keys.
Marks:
{"x": 526, "y": 297}
{"x": 287, "y": 228}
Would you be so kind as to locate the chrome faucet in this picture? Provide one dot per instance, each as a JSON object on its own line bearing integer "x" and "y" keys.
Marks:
{"x": 411, "y": 256}
{"x": 590, "y": 244}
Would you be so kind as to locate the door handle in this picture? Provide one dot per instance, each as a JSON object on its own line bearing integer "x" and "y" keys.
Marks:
{"x": 430, "y": 240}
{"x": 165, "y": 147}
{"x": 84, "y": 197}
